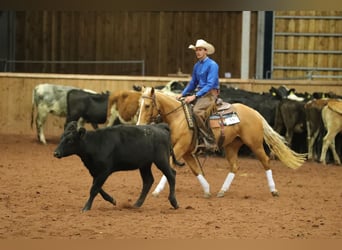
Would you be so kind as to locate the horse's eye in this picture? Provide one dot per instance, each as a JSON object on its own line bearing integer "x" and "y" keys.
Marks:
{"x": 147, "y": 106}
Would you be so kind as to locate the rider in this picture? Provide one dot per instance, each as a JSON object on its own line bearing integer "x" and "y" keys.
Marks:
{"x": 205, "y": 81}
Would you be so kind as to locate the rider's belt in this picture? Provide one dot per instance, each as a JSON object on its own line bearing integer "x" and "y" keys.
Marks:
{"x": 214, "y": 92}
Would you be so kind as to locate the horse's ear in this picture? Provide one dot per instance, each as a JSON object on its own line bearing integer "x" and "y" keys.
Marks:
{"x": 136, "y": 87}
{"x": 152, "y": 91}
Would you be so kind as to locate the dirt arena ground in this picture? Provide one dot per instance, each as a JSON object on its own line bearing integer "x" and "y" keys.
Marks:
{"x": 41, "y": 198}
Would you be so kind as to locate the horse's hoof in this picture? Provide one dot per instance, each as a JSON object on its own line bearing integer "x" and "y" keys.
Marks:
{"x": 220, "y": 194}
{"x": 155, "y": 194}
{"x": 207, "y": 195}
{"x": 275, "y": 193}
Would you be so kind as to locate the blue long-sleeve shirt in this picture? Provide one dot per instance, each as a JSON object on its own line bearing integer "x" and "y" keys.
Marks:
{"x": 204, "y": 77}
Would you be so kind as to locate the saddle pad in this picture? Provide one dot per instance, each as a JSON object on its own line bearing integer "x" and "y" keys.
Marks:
{"x": 227, "y": 120}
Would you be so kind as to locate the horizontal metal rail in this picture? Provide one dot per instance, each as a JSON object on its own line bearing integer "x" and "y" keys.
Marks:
{"x": 307, "y": 68}
{"x": 327, "y": 76}
{"x": 310, "y": 17}
{"x": 308, "y": 51}
{"x": 96, "y": 62}
{"x": 309, "y": 75}
{"x": 142, "y": 62}
{"x": 307, "y": 34}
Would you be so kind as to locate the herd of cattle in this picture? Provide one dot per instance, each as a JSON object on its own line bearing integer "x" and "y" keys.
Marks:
{"x": 310, "y": 122}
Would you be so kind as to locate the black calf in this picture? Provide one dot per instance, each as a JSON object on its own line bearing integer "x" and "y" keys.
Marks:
{"x": 120, "y": 148}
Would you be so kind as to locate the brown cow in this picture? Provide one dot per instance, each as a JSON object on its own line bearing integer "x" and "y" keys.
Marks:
{"x": 314, "y": 123}
{"x": 122, "y": 107}
{"x": 290, "y": 117}
{"x": 332, "y": 119}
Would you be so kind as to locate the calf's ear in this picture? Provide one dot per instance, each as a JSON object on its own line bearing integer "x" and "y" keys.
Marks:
{"x": 82, "y": 131}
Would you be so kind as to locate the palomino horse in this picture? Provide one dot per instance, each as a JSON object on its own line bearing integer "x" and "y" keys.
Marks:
{"x": 252, "y": 130}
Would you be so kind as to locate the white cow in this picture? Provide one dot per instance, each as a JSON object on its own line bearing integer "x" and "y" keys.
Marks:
{"x": 49, "y": 98}
{"x": 174, "y": 88}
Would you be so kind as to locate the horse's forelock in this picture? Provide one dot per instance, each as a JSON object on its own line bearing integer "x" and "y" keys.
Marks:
{"x": 146, "y": 90}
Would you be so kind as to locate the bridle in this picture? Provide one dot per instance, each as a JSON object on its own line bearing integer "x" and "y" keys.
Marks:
{"x": 158, "y": 117}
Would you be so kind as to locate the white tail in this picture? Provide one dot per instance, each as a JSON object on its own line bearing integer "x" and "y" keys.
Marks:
{"x": 278, "y": 146}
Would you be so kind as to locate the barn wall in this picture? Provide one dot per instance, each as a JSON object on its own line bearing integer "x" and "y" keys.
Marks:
{"x": 16, "y": 93}
{"x": 308, "y": 41}
{"x": 161, "y": 39}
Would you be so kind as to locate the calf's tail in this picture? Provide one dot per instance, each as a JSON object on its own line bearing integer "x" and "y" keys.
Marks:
{"x": 180, "y": 164}
{"x": 33, "y": 105}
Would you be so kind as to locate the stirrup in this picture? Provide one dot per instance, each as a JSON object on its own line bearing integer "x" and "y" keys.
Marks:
{"x": 207, "y": 146}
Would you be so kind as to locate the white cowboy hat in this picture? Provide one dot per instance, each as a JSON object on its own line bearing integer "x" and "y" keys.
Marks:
{"x": 203, "y": 44}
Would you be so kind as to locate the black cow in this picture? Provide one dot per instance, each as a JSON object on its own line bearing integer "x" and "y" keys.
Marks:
{"x": 87, "y": 107}
{"x": 173, "y": 87}
{"x": 290, "y": 120}
{"x": 264, "y": 103}
{"x": 284, "y": 93}
{"x": 120, "y": 148}
{"x": 291, "y": 117}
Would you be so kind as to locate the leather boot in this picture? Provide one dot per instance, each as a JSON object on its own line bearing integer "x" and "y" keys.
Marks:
{"x": 206, "y": 134}
{"x": 209, "y": 142}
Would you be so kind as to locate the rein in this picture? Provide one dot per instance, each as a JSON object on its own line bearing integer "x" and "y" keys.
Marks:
{"x": 158, "y": 116}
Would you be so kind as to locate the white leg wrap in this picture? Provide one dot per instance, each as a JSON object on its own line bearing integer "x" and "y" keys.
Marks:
{"x": 204, "y": 183}
{"x": 228, "y": 181}
{"x": 270, "y": 180}
{"x": 160, "y": 185}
